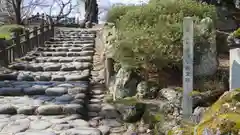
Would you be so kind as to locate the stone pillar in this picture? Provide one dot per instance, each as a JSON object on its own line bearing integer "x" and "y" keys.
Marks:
{"x": 187, "y": 67}
{"x": 234, "y": 64}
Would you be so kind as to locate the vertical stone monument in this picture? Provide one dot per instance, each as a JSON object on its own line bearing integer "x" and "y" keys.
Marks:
{"x": 187, "y": 66}
{"x": 234, "y": 70}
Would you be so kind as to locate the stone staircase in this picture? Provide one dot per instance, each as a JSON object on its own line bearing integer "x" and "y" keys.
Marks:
{"x": 51, "y": 91}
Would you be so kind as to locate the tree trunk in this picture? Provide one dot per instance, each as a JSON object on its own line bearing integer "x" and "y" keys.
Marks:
{"x": 91, "y": 9}
{"x": 17, "y": 9}
{"x": 18, "y": 18}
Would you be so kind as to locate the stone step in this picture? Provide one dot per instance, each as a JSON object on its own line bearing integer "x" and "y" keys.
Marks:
{"x": 46, "y": 125}
{"x": 43, "y": 98}
{"x": 79, "y": 34}
{"x": 57, "y": 59}
{"x": 82, "y": 36}
{"x": 95, "y": 101}
{"x": 51, "y": 66}
{"x": 66, "y": 32}
{"x": 72, "y": 39}
{"x": 70, "y": 45}
{"x": 65, "y": 54}
{"x": 71, "y": 42}
{"x": 66, "y": 49}
{"x": 46, "y": 76}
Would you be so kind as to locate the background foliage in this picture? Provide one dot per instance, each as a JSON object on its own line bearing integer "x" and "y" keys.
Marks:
{"x": 149, "y": 36}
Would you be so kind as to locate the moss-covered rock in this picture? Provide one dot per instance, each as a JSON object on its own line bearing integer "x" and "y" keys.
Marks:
{"x": 131, "y": 109}
{"x": 152, "y": 115}
{"x": 223, "y": 116}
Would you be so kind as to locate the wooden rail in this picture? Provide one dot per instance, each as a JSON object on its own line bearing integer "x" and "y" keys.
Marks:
{"x": 23, "y": 43}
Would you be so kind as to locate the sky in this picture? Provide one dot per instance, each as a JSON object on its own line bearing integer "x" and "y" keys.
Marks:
{"x": 104, "y": 6}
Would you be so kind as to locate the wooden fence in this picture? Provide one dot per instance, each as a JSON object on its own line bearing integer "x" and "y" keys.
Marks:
{"x": 23, "y": 43}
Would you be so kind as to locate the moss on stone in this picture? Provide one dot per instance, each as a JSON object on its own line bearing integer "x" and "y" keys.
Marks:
{"x": 130, "y": 108}
{"x": 193, "y": 93}
{"x": 223, "y": 115}
{"x": 236, "y": 33}
{"x": 127, "y": 101}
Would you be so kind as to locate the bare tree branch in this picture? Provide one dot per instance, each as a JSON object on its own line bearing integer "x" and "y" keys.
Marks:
{"x": 65, "y": 7}
{"x": 22, "y": 9}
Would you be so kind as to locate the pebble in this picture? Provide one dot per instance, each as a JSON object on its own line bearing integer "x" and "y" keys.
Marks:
{"x": 40, "y": 125}
{"x": 73, "y": 108}
{"x": 37, "y": 133}
{"x": 27, "y": 110}
{"x": 60, "y": 127}
{"x": 8, "y": 91}
{"x": 111, "y": 123}
{"x": 34, "y": 91}
{"x": 7, "y": 109}
{"x": 58, "y": 78}
{"x": 104, "y": 129}
{"x": 75, "y": 77}
{"x": 79, "y": 123}
{"x": 56, "y": 91}
{"x": 49, "y": 110}
{"x": 17, "y": 126}
{"x": 82, "y": 131}
{"x": 64, "y": 98}
{"x": 76, "y": 90}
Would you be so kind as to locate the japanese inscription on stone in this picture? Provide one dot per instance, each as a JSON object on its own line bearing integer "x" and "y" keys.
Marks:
{"x": 187, "y": 66}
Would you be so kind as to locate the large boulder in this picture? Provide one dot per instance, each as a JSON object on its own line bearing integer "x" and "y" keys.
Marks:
{"x": 130, "y": 109}
{"x": 205, "y": 53}
{"x": 125, "y": 84}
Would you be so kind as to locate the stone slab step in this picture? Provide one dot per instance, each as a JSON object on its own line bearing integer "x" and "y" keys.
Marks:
{"x": 66, "y": 59}
{"x": 66, "y": 54}
{"x": 65, "y": 49}
{"x": 72, "y": 39}
{"x": 51, "y": 66}
{"x": 42, "y": 105}
{"x": 71, "y": 42}
{"x": 56, "y": 59}
{"x": 48, "y": 98}
{"x": 47, "y": 76}
{"x": 70, "y": 45}
{"x": 67, "y": 32}
{"x": 45, "y": 125}
{"x": 76, "y": 36}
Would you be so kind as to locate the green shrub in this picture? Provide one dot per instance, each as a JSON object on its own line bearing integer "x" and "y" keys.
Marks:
{"x": 7, "y": 30}
{"x": 150, "y": 35}
{"x": 118, "y": 11}
{"x": 236, "y": 33}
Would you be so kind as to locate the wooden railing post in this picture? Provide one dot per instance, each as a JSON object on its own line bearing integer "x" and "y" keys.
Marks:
{"x": 35, "y": 33}
{"x": 17, "y": 47}
{"x": 47, "y": 33}
{"x": 4, "y": 52}
{"x": 27, "y": 41}
{"x": 51, "y": 27}
{"x": 41, "y": 35}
